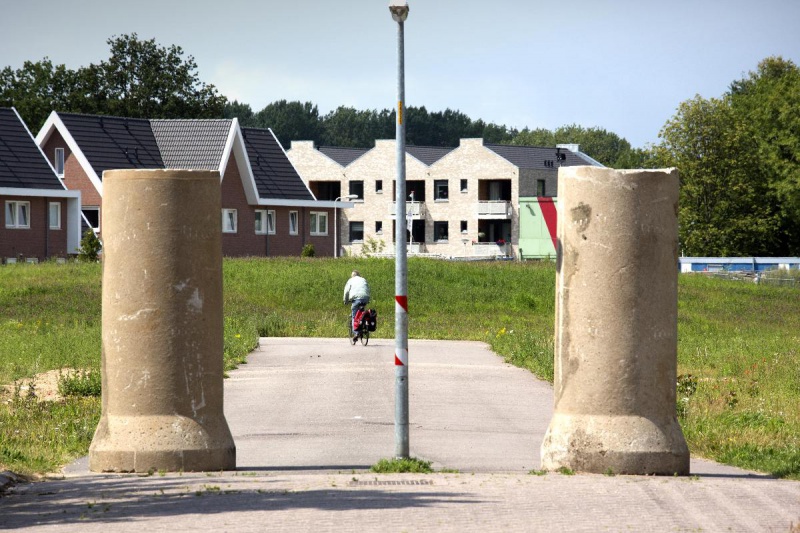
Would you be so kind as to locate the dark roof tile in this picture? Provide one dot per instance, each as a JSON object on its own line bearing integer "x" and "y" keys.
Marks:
{"x": 22, "y": 164}
{"x": 535, "y": 157}
{"x": 343, "y": 156}
{"x": 114, "y": 142}
{"x": 275, "y": 176}
{"x": 428, "y": 154}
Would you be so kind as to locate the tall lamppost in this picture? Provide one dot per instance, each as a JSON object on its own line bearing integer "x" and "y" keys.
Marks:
{"x": 336, "y": 222}
{"x": 399, "y": 10}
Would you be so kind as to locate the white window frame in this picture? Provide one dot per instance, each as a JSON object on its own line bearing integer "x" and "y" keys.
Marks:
{"x": 350, "y": 231}
{"x": 93, "y": 208}
{"x": 16, "y": 210}
{"x": 230, "y": 220}
{"x": 54, "y": 222}
{"x": 260, "y": 217}
{"x": 316, "y": 225}
{"x": 293, "y": 219}
{"x": 270, "y": 222}
{"x": 58, "y": 160}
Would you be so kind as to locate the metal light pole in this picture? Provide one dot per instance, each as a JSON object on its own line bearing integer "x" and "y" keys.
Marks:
{"x": 336, "y": 223}
{"x": 399, "y": 10}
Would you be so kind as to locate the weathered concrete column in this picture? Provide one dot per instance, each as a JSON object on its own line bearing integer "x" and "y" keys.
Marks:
{"x": 616, "y": 324}
{"x": 162, "y": 324}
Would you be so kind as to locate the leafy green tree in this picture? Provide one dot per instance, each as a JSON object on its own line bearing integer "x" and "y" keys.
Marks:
{"x": 768, "y": 100}
{"x": 535, "y": 137}
{"x": 38, "y": 88}
{"x": 606, "y": 147}
{"x": 291, "y": 121}
{"x": 241, "y": 111}
{"x": 724, "y": 208}
{"x": 349, "y": 127}
{"x": 143, "y": 79}
{"x": 140, "y": 79}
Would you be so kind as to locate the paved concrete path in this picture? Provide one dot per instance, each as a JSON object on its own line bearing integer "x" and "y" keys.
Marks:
{"x": 310, "y": 415}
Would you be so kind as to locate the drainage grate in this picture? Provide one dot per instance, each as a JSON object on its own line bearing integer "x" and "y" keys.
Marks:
{"x": 393, "y": 482}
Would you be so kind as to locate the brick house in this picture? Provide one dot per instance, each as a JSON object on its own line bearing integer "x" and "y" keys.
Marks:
{"x": 41, "y": 218}
{"x": 266, "y": 209}
{"x": 475, "y": 200}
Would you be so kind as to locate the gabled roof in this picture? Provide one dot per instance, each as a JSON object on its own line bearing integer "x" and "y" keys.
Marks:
{"x": 534, "y": 157}
{"x": 101, "y": 143}
{"x": 274, "y": 174}
{"x": 191, "y": 144}
{"x": 114, "y": 142}
{"x": 428, "y": 154}
{"x": 343, "y": 156}
{"x": 22, "y": 163}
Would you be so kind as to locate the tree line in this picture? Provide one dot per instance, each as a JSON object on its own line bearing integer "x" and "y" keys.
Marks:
{"x": 738, "y": 155}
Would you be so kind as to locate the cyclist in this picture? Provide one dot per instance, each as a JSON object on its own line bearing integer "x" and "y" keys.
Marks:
{"x": 356, "y": 290}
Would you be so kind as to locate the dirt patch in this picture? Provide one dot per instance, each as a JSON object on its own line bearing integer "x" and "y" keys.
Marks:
{"x": 45, "y": 386}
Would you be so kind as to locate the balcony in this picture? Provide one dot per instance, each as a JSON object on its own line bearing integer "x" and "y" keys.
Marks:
{"x": 489, "y": 249}
{"x": 497, "y": 209}
{"x": 414, "y": 210}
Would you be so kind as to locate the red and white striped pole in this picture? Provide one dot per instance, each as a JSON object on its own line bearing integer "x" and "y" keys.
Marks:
{"x": 399, "y": 10}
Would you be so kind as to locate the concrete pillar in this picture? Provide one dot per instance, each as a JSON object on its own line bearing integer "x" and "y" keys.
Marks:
{"x": 616, "y": 324}
{"x": 162, "y": 325}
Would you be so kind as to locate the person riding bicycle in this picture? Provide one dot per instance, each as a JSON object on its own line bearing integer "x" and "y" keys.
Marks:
{"x": 356, "y": 290}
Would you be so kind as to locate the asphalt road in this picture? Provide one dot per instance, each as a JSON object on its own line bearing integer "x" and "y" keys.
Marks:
{"x": 309, "y": 416}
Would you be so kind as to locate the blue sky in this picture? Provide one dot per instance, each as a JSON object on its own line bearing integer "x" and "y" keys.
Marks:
{"x": 622, "y": 65}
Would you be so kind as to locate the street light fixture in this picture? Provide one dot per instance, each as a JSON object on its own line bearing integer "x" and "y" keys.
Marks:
{"x": 399, "y": 10}
{"x": 336, "y": 222}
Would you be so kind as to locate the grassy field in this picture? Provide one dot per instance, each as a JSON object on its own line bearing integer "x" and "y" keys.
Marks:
{"x": 739, "y": 343}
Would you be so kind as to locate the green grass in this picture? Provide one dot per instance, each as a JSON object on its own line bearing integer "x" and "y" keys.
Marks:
{"x": 739, "y": 341}
{"x": 410, "y": 465}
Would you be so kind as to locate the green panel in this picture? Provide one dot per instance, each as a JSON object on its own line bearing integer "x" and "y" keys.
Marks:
{"x": 534, "y": 237}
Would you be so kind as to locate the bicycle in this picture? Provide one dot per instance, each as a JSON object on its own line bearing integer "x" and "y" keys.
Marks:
{"x": 362, "y": 334}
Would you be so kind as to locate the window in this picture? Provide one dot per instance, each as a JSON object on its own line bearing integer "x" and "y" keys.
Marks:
{"x": 18, "y": 214}
{"x": 440, "y": 231}
{"x": 539, "y": 187}
{"x": 54, "y": 215}
{"x": 92, "y": 216}
{"x": 379, "y": 227}
{"x": 356, "y": 231}
{"x": 379, "y": 186}
{"x": 464, "y": 186}
{"x": 59, "y": 162}
{"x": 357, "y": 189}
{"x": 292, "y": 222}
{"x": 265, "y": 222}
{"x": 319, "y": 223}
{"x": 440, "y": 189}
{"x": 261, "y": 221}
{"x": 229, "y": 220}
{"x": 463, "y": 226}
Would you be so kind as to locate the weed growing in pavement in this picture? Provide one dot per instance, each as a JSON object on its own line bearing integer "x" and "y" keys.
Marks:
{"x": 542, "y": 472}
{"x": 402, "y": 466}
{"x": 565, "y": 471}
